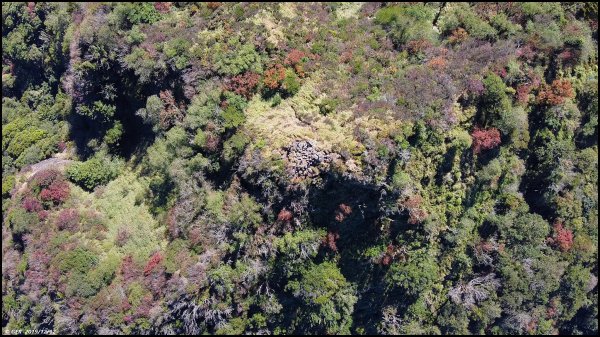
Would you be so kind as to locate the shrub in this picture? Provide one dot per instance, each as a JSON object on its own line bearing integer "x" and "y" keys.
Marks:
{"x": 233, "y": 117}
{"x": 23, "y": 140}
{"x": 245, "y": 212}
{"x": 92, "y": 173}
{"x": 8, "y": 183}
{"x": 144, "y": 66}
{"x": 235, "y": 146}
{"x": 137, "y": 13}
{"x": 527, "y": 229}
{"x": 414, "y": 275}
{"x": 276, "y": 100}
{"x": 236, "y": 59}
{"x": 45, "y": 178}
{"x": 151, "y": 114}
{"x": 407, "y": 23}
{"x": 176, "y": 51}
{"x": 328, "y": 299}
{"x": 78, "y": 260}
{"x": 328, "y": 105}
{"x": 79, "y": 285}
{"x": 176, "y": 256}
{"x": 462, "y": 16}
{"x": 114, "y": 134}
{"x": 98, "y": 111}
{"x": 31, "y": 204}
{"x": 291, "y": 82}
{"x": 494, "y": 101}
{"x": 21, "y": 221}
{"x": 68, "y": 219}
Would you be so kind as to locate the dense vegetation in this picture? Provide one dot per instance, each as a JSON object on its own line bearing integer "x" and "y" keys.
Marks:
{"x": 300, "y": 168}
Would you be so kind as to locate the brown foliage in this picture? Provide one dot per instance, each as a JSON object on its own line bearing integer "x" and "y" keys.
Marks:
{"x": 386, "y": 260}
{"x": 417, "y": 46}
{"x": 274, "y": 76}
{"x": 284, "y": 215}
{"x": 213, "y": 5}
{"x": 523, "y": 91}
{"x": 171, "y": 113}
{"x": 437, "y": 63}
{"x": 122, "y": 237}
{"x": 330, "y": 240}
{"x": 294, "y": 58}
{"x": 391, "y": 253}
{"x": 458, "y": 35}
{"x": 412, "y": 204}
{"x": 162, "y": 7}
{"x": 556, "y": 93}
{"x": 417, "y": 215}
{"x": 129, "y": 270}
{"x": 342, "y": 211}
{"x": 244, "y": 84}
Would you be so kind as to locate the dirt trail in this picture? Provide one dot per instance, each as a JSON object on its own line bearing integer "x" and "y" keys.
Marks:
{"x": 57, "y": 162}
{"x": 50, "y": 163}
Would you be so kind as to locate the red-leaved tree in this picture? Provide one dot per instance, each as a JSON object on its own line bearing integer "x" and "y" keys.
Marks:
{"x": 153, "y": 262}
{"x": 563, "y": 237}
{"x": 485, "y": 139}
{"x": 57, "y": 192}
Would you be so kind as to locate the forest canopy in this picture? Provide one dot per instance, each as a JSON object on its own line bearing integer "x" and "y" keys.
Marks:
{"x": 300, "y": 168}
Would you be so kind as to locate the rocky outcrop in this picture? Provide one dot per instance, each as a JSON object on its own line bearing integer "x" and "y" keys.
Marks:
{"x": 305, "y": 159}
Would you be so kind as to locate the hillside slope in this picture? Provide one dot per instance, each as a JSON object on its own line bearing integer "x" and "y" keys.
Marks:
{"x": 300, "y": 168}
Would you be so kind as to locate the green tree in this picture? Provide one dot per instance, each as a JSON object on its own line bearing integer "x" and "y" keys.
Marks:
{"x": 414, "y": 276}
{"x": 327, "y": 300}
